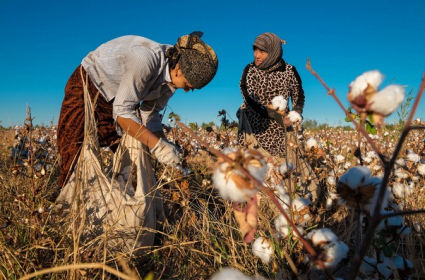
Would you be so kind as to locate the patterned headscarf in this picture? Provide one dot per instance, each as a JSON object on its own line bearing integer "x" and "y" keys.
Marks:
{"x": 272, "y": 44}
{"x": 196, "y": 59}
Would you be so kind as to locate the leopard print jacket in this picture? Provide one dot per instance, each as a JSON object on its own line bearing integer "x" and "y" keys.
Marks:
{"x": 258, "y": 88}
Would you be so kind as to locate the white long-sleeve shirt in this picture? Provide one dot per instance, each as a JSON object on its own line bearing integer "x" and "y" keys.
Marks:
{"x": 132, "y": 69}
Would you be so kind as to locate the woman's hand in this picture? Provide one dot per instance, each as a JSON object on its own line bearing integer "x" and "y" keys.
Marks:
{"x": 167, "y": 153}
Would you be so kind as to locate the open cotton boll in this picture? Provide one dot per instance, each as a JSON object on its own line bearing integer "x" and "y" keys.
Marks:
{"x": 279, "y": 103}
{"x": 311, "y": 143}
{"x": 413, "y": 157}
{"x": 263, "y": 248}
{"x": 286, "y": 167}
{"x": 230, "y": 182}
{"x": 373, "y": 78}
{"x": 335, "y": 252}
{"x": 368, "y": 265}
{"x": 322, "y": 236}
{"x": 399, "y": 190}
{"x": 331, "y": 181}
{"x": 339, "y": 158}
{"x": 299, "y": 204}
{"x": 230, "y": 273}
{"x": 355, "y": 176}
{"x": 421, "y": 169}
{"x": 294, "y": 117}
{"x": 387, "y": 100}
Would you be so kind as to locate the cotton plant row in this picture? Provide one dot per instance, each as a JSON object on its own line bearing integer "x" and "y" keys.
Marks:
{"x": 34, "y": 149}
{"x": 356, "y": 188}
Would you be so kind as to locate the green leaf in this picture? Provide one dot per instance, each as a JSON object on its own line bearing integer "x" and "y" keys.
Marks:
{"x": 370, "y": 128}
{"x": 388, "y": 251}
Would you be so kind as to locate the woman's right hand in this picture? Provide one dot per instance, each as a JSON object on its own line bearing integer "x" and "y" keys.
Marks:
{"x": 167, "y": 153}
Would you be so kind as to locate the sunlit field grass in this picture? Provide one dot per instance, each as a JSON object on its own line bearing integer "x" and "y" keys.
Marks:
{"x": 200, "y": 234}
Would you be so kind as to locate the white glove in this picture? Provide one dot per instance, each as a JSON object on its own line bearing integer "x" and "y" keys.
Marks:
{"x": 167, "y": 153}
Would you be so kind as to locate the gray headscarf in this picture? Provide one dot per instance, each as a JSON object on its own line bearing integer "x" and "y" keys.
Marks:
{"x": 197, "y": 60}
{"x": 272, "y": 44}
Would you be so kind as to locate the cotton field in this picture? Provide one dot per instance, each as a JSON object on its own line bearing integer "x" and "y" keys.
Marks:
{"x": 220, "y": 221}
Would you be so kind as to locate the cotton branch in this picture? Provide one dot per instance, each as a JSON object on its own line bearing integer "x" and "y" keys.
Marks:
{"x": 217, "y": 153}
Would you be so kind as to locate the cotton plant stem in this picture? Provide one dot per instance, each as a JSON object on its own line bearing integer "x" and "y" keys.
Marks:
{"x": 217, "y": 153}
{"x": 377, "y": 216}
{"x": 358, "y": 127}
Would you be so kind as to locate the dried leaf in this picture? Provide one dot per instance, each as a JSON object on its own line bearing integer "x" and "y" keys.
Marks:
{"x": 247, "y": 219}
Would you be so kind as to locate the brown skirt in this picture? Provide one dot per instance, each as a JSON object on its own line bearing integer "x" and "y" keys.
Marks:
{"x": 71, "y": 122}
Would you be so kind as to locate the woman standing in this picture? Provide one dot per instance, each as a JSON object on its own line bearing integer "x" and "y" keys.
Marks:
{"x": 262, "y": 80}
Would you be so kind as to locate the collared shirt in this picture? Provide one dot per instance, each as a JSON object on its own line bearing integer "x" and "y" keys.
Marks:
{"x": 131, "y": 69}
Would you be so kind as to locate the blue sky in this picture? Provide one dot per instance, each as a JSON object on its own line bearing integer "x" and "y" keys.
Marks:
{"x": 43, "y": 41}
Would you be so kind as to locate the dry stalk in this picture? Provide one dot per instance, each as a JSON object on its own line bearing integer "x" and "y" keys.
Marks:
{"x": 358, "y": 127}
{"x": 217, "y": 153}
{"x": 377, "y": 216}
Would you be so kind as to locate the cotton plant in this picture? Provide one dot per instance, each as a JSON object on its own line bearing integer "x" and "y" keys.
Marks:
{"x": 367, "y": 99}
{"x": 311, "y": 143}
{"x": 231, "y": 182}
{"x": 330, "y": 249}
{"x": 402, "y": 190}
{"x": 358, "y": 188}
{"x": 413, "y": 157}
{"x": 402, "y": 266}
{"x": 262, "y": 247}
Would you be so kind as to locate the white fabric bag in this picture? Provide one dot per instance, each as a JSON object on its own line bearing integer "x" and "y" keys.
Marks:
{"x": 104, "y": 208}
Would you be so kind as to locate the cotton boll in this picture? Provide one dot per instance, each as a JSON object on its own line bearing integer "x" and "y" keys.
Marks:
{"x": 421, "y": 169}
{"x": 230, "y": 273}
{"x": 404, "y": 231}
{"x": 279, "y": 103}
{"x": 367, "y": 159}
{"x": 331, "y": 181}
{"x": 339, "y": 158}
{"x": 311, "y": 143}
{"x": 413, "y": 157}
{"x": 384, "y": 268}
{"x": 368, "y": 265}
{"x": 400, "y": 162}
{"x": 281, "y": 226}
{"x": 347, "y": 165}
{"x": 387, "y": 100}
{"x": 286, "y": 167}
{"x": 372, "y": 202}
{"x": 329, "y": 203}
{"x": 230, "y": 182}
{"x": 280, "y": 189}
{"x": 263, "y": 249}
{"x": 399, "y": 190}
{"x": 321, "y": 236}
{"x": 355, "y": 176}
{"x": 373, "y": 78}
{"x": 294, "y": 117}
{"x": 335, "y": 252}
{"x": 400, "y": 173}
{"x": 299, "y": 204}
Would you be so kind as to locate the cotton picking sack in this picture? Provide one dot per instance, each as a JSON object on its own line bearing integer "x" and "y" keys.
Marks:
{"x": 114, "y": 210}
